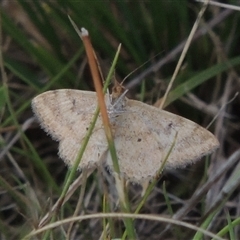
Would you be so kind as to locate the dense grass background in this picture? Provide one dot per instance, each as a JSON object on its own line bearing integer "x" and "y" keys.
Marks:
{"x": 41, "y": 51}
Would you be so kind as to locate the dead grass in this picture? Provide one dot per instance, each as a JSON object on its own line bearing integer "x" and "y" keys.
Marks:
{"x": 204, "y": 195}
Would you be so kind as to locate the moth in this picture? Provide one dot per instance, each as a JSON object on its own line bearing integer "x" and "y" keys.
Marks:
{"x": 143, "y": 134}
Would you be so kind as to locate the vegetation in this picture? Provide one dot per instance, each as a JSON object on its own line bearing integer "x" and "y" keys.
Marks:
{"x": 41, "y": 50}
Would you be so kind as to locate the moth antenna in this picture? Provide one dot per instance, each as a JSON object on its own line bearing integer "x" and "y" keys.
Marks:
{"x": 140, "y": 67}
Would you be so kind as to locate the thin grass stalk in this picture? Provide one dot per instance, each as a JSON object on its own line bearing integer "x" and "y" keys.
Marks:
{"x": 124, "y": 203}
{"x": 184, "y": 52}
{"x": 123, "y": 215}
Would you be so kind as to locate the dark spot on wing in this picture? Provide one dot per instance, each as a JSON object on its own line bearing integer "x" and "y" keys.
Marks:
{"x": 73, "y": 106}
{"x": 170, "y": 127}
{"x": 139, "y": 140}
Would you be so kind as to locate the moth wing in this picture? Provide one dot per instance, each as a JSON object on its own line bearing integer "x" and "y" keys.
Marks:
{"x": 66, "y": 115}
{"x": 139, "y": 157}
{"x": 145, "y": 134}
